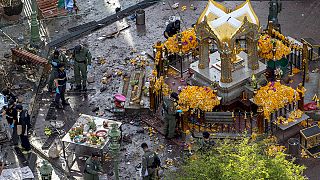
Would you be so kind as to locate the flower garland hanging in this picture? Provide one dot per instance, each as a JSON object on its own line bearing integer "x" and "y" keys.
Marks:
{"x": 188, "y": 39}
{"x": 290, "y": 43}
{"x": 272, "y": 48}
{"x": 197, "y": 98}
{"x": 274, "y": 96}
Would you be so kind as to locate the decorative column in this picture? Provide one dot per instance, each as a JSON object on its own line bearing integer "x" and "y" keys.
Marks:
{"x": 260, "y": 120}
{"x": 252, "y": 43}
{"x": 115, "y": 147}
{"x": 226, "y": 65}
{"x": 305, "y": 63}
{"x": 159, "y": 58}
{"x": 180, "y": 54}
{"x": 35, "y": 29}
{"x": 151, "y": 95}
{"x": 204, "y": 54}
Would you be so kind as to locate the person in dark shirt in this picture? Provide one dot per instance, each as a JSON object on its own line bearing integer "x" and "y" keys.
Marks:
{"x": 60, "y": 82}
{"x": 24, "y": 122}
{"x": 10, "y": 112}
{"x": 11, "y": 115}
{"x": 172, "y": 29}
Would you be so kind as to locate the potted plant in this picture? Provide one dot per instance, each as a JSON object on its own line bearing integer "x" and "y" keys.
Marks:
{"x": 12, "y": 7}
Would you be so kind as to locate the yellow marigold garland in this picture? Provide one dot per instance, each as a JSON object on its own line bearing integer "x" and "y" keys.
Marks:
{"x": 274, "y": 96}
{"x": 195, "y": 97}
{"x": 302, "y": 90}
{"x": 265, "y": 44}
{"x": 160, "y": 85}
{"x": 188, "y": 39}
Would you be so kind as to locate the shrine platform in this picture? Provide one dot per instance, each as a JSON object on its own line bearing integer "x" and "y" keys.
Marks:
{"x": 228, "y": 91}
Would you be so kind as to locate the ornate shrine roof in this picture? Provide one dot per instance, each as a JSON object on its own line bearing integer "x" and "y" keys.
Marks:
{"x": 225, "y": 22}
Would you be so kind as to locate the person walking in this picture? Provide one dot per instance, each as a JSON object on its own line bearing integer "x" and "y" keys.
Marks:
{"x": 61, "y": 83}
{"x": 93, "y": 168}
{"x": 55, "y": 59}
{"x": 170, "y": 113}
{"x": 23, "y": 126}
{"x": 150, "y": 163}
{"x": 82, "y": 62}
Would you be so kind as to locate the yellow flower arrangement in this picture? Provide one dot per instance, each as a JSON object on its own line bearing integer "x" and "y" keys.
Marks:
{"x": 158, "y": 57}
{"x": 301, "y": 90}
{"x": 160, "y": 85}
{"x": 291, "y": 44}
{"x": 274, "y": 96}
{"x": 158, "y": 47}
{"x": 295, "y": 70}
{"x": 172, "y": 72}
{"x": 296, "y": 114}
{"x": 284, "y": 121}
{"x": 272, "y": 150}
{"x": 154, "y": 73}
{"x": 195, "y": 97}
{"x": 188, "y": 39}
{"x": 266, "y": 46}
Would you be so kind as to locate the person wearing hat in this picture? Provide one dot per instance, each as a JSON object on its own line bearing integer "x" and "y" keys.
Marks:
{"x": 23, "y": 126}
{"x": 169, "y": 109}
{"x": 172, "y": 29}
{"x": 55, "y": 59}
{"x": 82, "y": 62}
{"x": 61, "y": 83}
{"x": 93, "y": 168}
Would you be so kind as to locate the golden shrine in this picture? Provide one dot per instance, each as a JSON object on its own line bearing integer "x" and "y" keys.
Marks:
{"x": 231, "y": 64}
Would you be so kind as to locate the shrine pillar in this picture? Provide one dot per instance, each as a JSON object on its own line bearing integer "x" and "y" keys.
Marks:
{"x": 159, "y": 58}
{"x": 252, "y": 43}
{"x": 204, "y": 54}
{"x": 305, "y": 63}
{"x": 226, "y": 64}
{"x": 301, "y": 90}
{"x": 260, "y": 120}
{"x": 152, "y": 95}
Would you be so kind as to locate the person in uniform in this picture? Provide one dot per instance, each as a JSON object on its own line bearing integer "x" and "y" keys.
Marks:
{"x": 55, "y": 59}
{"x": 170, "y": 113}
{"x": 149, "y": 171}
{"x": 172, "y": 29}
{"x": 82, "y": 62}
{"x": 93, "y": 168}
{"x": 60, "y": 82}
